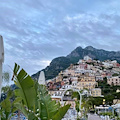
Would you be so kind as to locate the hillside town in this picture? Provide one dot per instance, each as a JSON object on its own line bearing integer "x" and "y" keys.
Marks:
{"x": 84, "y": 76}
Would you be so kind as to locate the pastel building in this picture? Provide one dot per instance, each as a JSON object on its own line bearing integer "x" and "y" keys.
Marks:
{"x": 59, "y": 77}
{"x": 56, "y": 95}
{"x": 107, "y": 64}
{"x": 69, "y": 72}
{"x": 96, "y": 92}
{"x": 67, "y": 100}
{"x": 99, "y": 78}
{"x": 88, "y": 82}
{"x": 114, "y": 80}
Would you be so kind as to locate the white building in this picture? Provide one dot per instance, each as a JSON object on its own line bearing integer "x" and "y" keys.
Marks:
{"x": 87, "y": 58}
{"x": 107, "y": 64}
{"x": 114, "y": 61}
{"x": 80, "y": 61}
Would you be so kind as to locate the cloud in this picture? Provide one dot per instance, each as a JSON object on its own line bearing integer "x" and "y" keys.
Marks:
{"x": 35, "y": 32}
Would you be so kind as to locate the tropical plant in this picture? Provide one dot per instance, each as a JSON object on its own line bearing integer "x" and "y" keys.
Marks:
{"x": 34, "y": 101}
{"x": 7, "y": 107}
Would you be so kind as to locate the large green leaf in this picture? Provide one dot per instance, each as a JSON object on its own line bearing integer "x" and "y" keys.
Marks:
{"x": 26, "y": 89}
{"x": 21, "y": 107}
{"x": 6, "y": 109}
{"x": 33, "y": 99}
{"x": 6, "y": 105}
{"x": 61, "y": 112}
{"x": 49, "y": 108}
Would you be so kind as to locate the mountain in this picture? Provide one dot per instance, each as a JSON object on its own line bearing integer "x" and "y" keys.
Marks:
{"x": 57, "y": 65}
{"x": 94, "y": 53}
{"x": 61, "y": 63}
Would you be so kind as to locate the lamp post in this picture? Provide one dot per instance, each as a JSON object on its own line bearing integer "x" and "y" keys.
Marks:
{"x": 1, "y": 61}
{"x": 103, "y": 102}
{"x": 80, "y": 101}
{"x": 104, "y": 107}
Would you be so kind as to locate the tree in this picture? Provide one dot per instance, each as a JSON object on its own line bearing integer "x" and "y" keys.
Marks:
{"x": 115, "y": 74}
{"x": 6, "y": 77}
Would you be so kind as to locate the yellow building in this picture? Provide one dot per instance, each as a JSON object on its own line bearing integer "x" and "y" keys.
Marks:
{"x": 79, "y": 86}
{"x": 96, "y": 92}
{"x": 59, "y": 77}
{"x": 87, "y": 82}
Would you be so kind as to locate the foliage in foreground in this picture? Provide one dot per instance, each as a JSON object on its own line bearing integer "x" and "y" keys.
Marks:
{"x": 7, "y": 107}
{"x": 32, "y": 99}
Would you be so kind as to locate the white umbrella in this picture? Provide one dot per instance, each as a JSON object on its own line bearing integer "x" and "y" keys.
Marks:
{"x": 41, "y": 79}
{"x": 1, "y": 61}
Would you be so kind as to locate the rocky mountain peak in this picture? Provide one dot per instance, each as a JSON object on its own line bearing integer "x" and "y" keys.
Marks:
{"x": 90, "y": 48}
{"x": 61, "y": 63}
{"x": 79, "y": 47}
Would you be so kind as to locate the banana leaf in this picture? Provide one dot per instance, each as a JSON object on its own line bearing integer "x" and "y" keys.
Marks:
{"x": 26, "y": 89}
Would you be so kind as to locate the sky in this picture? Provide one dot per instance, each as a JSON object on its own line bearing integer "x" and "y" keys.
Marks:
{"x": 36, "y": 31}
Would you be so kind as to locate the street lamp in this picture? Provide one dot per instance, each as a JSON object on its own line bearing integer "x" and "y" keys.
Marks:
{"x": 1, "y": 61}
{"x": 103, "y": 102}
{"x": 79, "y": 95}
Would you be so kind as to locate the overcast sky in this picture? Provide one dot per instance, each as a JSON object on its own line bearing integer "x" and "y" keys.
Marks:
{"x": 36, "y": 31}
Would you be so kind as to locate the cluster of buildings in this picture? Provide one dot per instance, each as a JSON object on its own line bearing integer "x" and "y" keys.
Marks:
{"x": 84, "y": 76}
